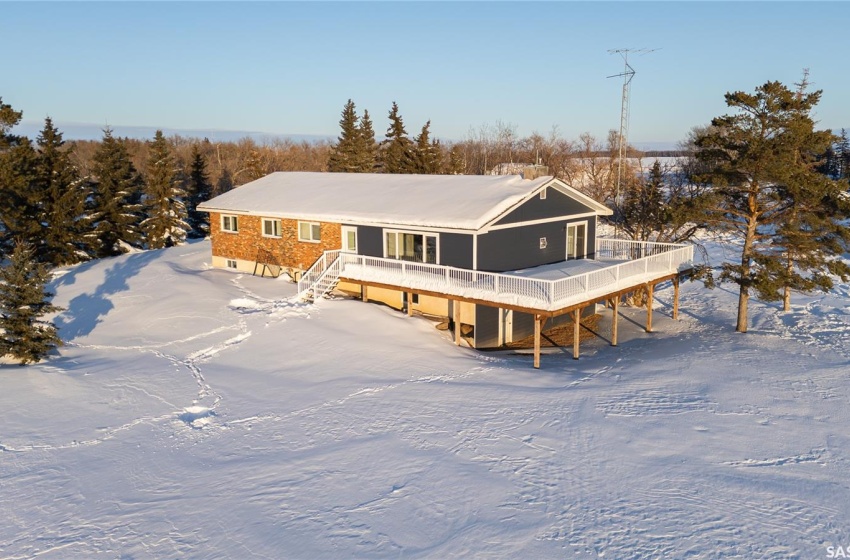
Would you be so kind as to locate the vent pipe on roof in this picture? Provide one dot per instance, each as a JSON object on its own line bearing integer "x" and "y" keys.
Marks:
{"x": 535, "y": 171}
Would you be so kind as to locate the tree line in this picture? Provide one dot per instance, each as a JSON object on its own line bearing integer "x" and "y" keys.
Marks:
{"x": 51, "y": 215}
{"x": 762, "y": 175}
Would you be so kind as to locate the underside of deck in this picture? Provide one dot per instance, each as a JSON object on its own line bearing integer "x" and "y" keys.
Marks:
{"x": 611, "y": 298}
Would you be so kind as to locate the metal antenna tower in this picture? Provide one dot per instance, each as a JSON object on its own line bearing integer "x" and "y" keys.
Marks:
{"x": 622, "y": 140}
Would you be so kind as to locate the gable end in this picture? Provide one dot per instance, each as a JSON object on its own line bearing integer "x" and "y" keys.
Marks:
{"x": 556, "y": 204}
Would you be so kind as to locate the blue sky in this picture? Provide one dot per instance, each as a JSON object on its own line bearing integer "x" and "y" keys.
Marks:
{"x": 288, "y": 68}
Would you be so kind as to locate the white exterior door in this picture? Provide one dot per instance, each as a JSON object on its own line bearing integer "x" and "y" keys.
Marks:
{"x": 349, "y": 239}
{"x": 577, "y": 241}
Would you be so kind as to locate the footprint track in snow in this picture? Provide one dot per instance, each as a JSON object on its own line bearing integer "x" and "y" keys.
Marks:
{"x": 195, "y": 415}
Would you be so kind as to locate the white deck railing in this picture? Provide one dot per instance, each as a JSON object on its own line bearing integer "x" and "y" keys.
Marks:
{"x": 645, "y": 261}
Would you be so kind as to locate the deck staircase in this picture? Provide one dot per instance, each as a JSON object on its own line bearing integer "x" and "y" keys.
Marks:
{"x": 320, "y": 278}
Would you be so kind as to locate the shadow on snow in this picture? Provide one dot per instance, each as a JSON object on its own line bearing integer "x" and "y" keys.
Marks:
{"x": 86, "y": 310}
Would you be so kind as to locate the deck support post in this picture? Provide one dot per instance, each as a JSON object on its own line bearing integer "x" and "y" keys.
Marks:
{"x": 538, "y": 328}
{"x": 676, "y": 298}
{"x": 364, "y": 293}
{"x": 456, "y": 313}
{"x": 576, "y": 332}
{"x": 649, "y": 289}
{"x": 410, "y": 304}
{"x": 616, "y": 308}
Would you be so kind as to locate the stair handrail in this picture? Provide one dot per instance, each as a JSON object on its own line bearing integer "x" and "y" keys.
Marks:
{"x": 316, "y": 273}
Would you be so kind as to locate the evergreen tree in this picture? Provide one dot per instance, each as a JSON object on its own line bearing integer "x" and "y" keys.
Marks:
{"x": 165, "y": 224}
{"x": 66, "y": 227}
{"x": 225, "y": 182}
{"x": 254, "y": 165}
{"x": 760, "y": 164}
{"x": 23, "y": 301}
{"x": 842, "y": 154}
{"x": 829, "y": 164}
{"x": 398, "y": 151}
{"x": 198, "y": 190}
{"x": 9, "y": 118}
{"x": 428, "y": 155}
{"x": 804, "y": 253}
{"x": 811, "y": 238}
{"x": 368, "y": 151}
{"x": 347, "y": 154}
{"x": 834, "y": 161}
{"x": 643, "y": 213}
{"x": 19, "y": 201}
{"x": 116, "y": 211}
{"x": 18, "y": 205}
{"x": 456, "y": 164}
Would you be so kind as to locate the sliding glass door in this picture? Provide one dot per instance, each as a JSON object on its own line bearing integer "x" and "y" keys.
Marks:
{"x": 408, "y": 246}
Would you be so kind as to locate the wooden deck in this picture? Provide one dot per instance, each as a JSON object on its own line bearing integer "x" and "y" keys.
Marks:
{"x": 624, "y": 267}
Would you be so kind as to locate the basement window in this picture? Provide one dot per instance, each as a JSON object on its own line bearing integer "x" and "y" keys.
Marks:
{"x": 310, "y": 232}
{"x": 231, "y": 264}
{"x": 229, "y": 223}
{"x": 271, "y": 228}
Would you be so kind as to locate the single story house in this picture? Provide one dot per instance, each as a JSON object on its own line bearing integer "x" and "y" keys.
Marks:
{"x": 494, "y": 227}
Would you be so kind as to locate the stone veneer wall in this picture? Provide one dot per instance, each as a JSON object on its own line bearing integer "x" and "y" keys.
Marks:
{"x": 290, "y": 252}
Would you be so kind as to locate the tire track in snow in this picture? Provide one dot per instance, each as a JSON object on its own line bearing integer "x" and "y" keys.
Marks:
{"x": 652, "y": 402}
{"x": 724, "y": 515}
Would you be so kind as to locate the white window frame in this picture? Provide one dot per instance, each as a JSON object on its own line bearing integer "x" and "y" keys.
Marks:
{"x": 310, "y": 239}
{"x": 345, "y": 231}
{"x": 424, "y": 234}
{"x": 231, "y": 264}
{"x": 275, "y": 227}
{"x": 586, "y": 235}
{"x": 234, "y": 221}
{"x": 543, "y": 193}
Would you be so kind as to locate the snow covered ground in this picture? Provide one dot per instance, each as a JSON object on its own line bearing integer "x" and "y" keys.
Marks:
{"x": 196, "y": 413}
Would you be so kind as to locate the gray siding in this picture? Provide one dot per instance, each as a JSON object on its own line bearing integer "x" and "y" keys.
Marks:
{"x": 486, "y": 327}
{"x": 556, "y": 204}
{"x": 519, "y": 247}
{"x": 523, "y": 325}
{"x": 370, "y": 241}
{"x": 456, "y": 250}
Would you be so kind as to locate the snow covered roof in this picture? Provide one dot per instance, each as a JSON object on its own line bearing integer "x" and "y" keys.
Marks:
{"x": 447, "y": 201}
